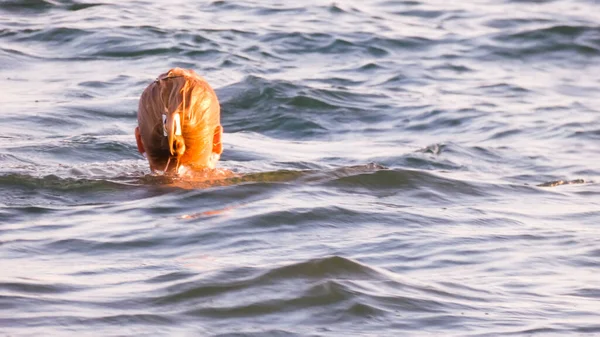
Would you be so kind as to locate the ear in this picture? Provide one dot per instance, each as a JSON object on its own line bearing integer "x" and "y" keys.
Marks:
{"x": 138, "y": 139}
{"x": 217, "y": 144}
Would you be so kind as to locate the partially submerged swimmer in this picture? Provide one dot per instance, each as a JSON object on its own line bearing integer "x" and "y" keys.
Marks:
{"x": 179, "y": 129}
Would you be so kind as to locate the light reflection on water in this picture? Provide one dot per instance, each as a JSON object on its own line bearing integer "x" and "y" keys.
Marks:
{"x": 398, "y": 167}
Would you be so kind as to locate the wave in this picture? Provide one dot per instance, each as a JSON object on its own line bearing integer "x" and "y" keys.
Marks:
{"x": 338, "y": 284}
{"x": 405, "y": 168}
{"x": 548, "y": 43}
{"x": 288, "y": 110}
{"x": 37, "y": 6}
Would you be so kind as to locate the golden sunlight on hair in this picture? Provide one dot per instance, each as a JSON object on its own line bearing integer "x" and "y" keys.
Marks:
{"x": 179, "y": 122}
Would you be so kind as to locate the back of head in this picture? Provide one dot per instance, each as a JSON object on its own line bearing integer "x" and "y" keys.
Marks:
{"x": 177, "y": 116}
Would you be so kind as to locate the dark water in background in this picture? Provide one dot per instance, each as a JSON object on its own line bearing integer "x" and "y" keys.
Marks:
{"x": 394, "y": 151}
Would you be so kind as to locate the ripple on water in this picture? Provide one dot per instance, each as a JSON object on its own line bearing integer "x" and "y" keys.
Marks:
{"x": 477, "y": 215}
{"x": 341, "y": 289}
{"x": 549, "y": 43}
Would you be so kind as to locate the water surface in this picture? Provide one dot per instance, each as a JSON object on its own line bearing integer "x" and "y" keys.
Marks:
{"x": 409, "y": 168}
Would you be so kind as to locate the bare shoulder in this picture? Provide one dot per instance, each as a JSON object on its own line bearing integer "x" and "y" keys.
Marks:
{"x": 192, "y": 179}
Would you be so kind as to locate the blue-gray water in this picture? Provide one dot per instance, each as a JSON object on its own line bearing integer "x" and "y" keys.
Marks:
{"x": 398, "y": 162}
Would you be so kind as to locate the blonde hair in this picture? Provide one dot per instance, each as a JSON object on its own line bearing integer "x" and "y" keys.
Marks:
{"x": 177, "y": 115}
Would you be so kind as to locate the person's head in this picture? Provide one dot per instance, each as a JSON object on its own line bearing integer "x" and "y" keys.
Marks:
{"x": 178, "y": 122}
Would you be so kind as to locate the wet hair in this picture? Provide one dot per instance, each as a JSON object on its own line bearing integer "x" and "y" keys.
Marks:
{"x": 177, "y": 115}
